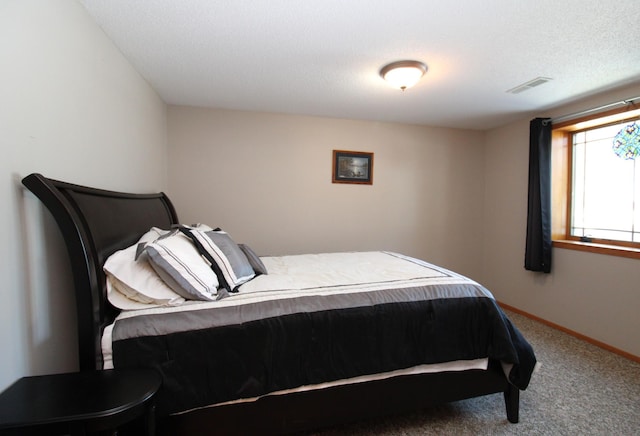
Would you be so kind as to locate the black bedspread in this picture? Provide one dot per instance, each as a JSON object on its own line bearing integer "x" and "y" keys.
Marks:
{"x": 237, "y": 353}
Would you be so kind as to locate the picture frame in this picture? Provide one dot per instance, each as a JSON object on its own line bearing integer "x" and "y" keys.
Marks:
{"x": 354, "y": 167}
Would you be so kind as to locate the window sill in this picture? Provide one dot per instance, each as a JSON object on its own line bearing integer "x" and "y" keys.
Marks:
{"x": 611, "y": 250}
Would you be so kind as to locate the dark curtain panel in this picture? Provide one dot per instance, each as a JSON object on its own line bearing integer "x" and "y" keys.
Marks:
{"x": 538, "y": 250}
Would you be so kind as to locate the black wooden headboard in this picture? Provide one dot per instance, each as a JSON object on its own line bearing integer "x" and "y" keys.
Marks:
{"x": 95, "y": 223}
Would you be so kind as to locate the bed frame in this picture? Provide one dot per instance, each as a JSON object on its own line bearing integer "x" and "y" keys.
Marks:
{"x": 95, "y": 223}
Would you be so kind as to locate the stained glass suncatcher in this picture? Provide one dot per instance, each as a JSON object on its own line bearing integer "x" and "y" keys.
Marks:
{"x": 626, "y": 144}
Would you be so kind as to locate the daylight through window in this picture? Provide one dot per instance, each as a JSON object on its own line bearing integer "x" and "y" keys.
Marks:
{"x": 596, "y": 167}
{"x": 605, "y": 203}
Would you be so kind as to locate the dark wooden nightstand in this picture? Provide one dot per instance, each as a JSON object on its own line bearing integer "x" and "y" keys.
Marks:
{"x": 92, "y": 402}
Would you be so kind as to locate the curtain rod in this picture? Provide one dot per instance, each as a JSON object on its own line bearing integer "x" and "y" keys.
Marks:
{"x": 594, "y": 110}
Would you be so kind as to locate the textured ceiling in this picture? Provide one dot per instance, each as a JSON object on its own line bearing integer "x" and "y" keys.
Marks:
{"x": 322, "y": 57}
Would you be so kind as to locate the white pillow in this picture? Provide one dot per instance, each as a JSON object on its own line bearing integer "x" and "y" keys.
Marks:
{"x": 179, "y": 264}
{"x": 135, "y": 281}
{"x": 119, "y": 300}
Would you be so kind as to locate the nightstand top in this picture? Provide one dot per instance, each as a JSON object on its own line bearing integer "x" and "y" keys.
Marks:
{"x": 71, "y": 397}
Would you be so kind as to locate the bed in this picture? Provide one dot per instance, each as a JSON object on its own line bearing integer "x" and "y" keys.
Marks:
{"x": 280, "y": 353}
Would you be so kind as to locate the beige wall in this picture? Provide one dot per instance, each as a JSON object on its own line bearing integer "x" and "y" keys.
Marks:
{"x": 74, "y": 109}
{"x": 593, "y": 294}
{"x": 266, "y": 179}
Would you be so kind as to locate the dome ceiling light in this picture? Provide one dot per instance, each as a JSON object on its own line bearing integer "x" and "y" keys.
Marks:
{"x": 403, "y": 74}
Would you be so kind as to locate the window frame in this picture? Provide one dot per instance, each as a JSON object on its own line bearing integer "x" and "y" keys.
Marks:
{"x": 561, "y": 183}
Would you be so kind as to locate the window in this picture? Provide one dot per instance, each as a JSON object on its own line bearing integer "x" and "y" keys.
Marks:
{"x": 596, "y": 183}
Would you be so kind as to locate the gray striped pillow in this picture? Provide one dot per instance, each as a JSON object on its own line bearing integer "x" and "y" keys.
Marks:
{"x": 176, "y": 260}
{"x": 233, "y": 267}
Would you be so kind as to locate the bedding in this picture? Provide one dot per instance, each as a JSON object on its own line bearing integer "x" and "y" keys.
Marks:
{"x": 224, "y": 256}
{"x": 317, "y": 319}
{"x": 254, "y": 260}
{"x": 134, "y": 284}
{"x": 180, "y": 265}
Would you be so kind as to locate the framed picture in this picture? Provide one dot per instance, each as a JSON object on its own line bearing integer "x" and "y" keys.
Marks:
{"x": 352, "y": 167}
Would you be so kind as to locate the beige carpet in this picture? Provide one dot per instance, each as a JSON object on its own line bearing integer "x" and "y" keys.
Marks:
{"x": 579, "y": 389}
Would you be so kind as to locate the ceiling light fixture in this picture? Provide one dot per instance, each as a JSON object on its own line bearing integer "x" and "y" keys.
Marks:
{"x": 403, "y": 74}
